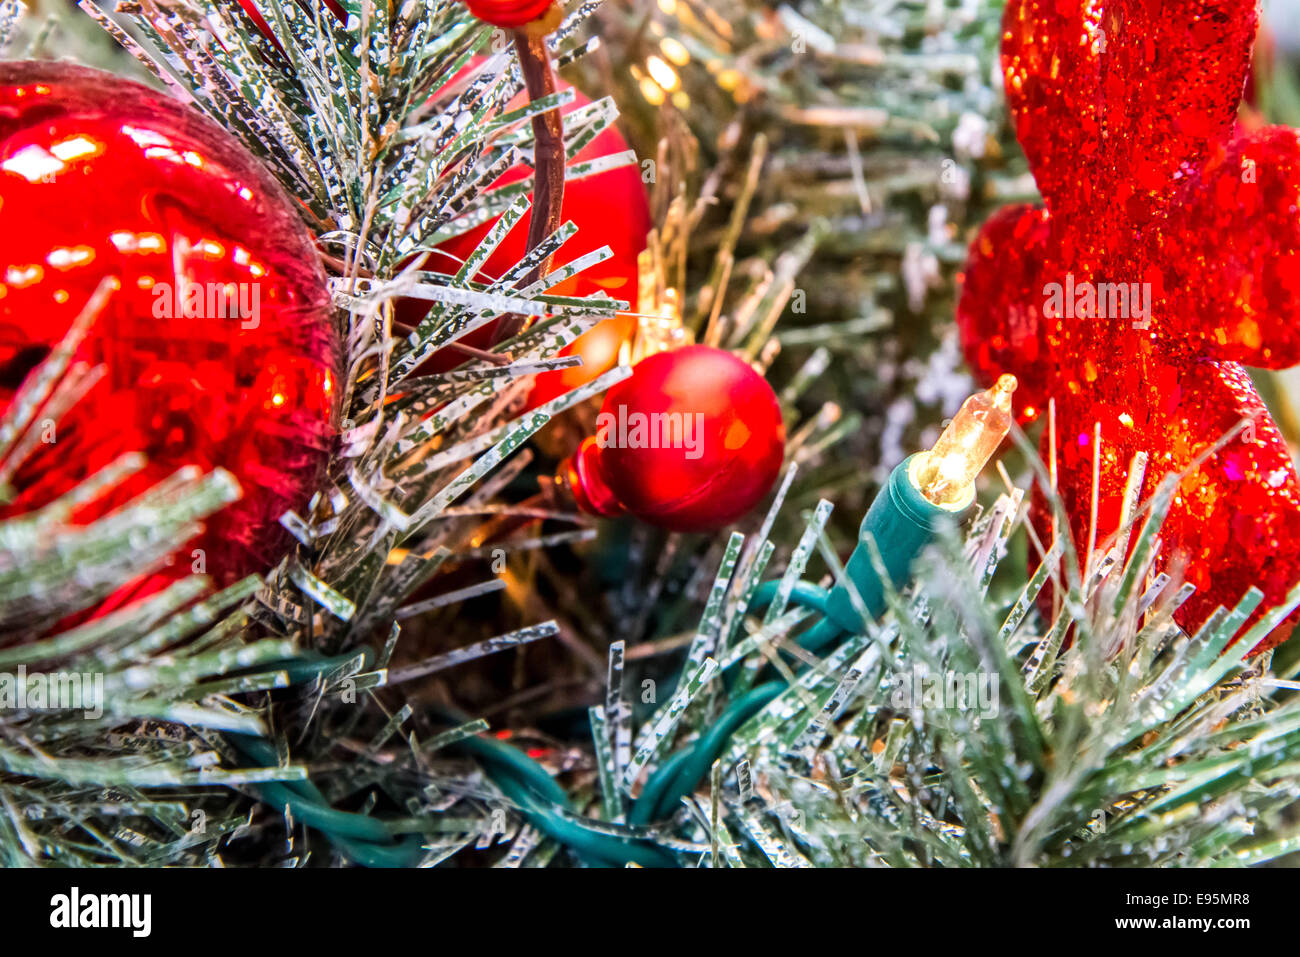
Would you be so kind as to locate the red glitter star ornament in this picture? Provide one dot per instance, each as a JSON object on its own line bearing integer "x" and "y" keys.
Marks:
{"x": 1167, "y": 252}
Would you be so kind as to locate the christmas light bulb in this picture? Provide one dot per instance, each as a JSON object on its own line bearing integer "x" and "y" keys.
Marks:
{"x": 946, "y": 474}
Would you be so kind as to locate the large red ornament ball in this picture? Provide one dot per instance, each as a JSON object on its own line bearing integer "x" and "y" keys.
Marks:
{"x": 1167, "y": 251}
{"x": 690, "y": 441}
{"x": 219, "y": 348}
{"x": 610, "y": 209}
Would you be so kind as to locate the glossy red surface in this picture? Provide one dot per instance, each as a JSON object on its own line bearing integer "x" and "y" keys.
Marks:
{"x": 1127, "y": 112}
{"x": 724, "y": 446}
{"x": 609, "y": 209}
{"x": 509, "y": 13}
{"x": 219, "y": 347}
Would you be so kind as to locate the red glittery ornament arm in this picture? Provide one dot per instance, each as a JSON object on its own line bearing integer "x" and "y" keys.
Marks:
{"x": 1239, "y": 248}
{"x": 1000, "y": 314}
{"x": 1112, "y": 97}
{"x": 1051, "y": 73}
{"x": 1170, "y": 244}
{"x": 1235, "y": 517}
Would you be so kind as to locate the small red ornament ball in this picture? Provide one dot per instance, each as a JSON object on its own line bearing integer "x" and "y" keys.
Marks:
{"x": 218, "y": 346}
{"x": 511, "y": 13}
{"x": 610, "y": 209}
{"x": 690, "y": 441}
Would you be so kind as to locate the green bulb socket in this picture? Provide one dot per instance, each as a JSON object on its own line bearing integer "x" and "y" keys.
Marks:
{"x": 902, "y": 522}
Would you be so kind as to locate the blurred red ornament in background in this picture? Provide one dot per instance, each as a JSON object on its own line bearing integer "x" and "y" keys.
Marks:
{"x": 690, "y": 441}
{"x": 599, "y": 348}
{"x": 1167, "y": 252}
{"x": 250, "y": 7}
{"x": 219, "y": 348}
{"x": 610, "y": 209}
{"x": 254, "y": 14}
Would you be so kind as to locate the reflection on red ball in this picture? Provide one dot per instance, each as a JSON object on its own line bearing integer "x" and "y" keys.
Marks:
{"x": 599, "y": 348}
{"x": 691, "y": 441}
{"x": 218, "y": 348}
{"x": 609, "y": 209}
{"x": 509, "y": 13}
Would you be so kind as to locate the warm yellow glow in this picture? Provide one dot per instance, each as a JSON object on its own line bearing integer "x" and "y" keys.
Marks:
{"x": 663, "y": 74}
{"x": 674, "y": 51}
{"x": 651, "y": 90}
{"x": 946, "y": 474}
{"x": 659, "y": 326}
{"x": 729, "y": 80}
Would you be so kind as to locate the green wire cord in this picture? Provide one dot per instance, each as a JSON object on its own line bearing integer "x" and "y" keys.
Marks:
{"x": 365, "y": 840}
{"x": 526, "y": 783}
{"x": 371, "y": 842}
{"x": 900, "y": 521}
{"x": 682, "y": 773}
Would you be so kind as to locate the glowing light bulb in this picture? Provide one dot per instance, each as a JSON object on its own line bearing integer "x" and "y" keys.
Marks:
{"x": 674, "y": 51}
{"x": 652, "y": 91}
{"x": 663, "y": 74}
{"x": 946, "y": 474}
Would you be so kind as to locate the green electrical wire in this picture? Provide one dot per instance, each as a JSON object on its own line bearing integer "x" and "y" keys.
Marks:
{"x": 682, "y": 773}
{"x": 900, "y": 523}
{"x": 515, "y": 772}
{"x": 527, "y": 784}
{"x": 371, "y": 842}
{"x": 363, "y": 839}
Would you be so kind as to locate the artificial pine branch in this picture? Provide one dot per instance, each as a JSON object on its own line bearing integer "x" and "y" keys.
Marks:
{"x": 1156, "y": 749}
{"x": 342, "y": 115}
